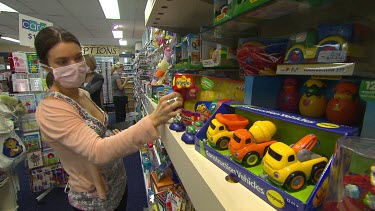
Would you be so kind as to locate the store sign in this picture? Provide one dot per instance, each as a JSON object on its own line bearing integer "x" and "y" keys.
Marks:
{"x": 101, "y": 50}
{"x": 29, "y": 28}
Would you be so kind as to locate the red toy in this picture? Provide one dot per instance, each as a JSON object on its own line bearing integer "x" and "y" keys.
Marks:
{"x": 345, "y": 107}
{"x": 289, "y": 97}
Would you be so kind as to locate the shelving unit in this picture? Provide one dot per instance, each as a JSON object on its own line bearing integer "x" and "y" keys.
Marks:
{"x": 204, "y": 182}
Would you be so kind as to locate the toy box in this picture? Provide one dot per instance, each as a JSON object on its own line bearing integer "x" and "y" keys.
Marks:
{"x": 290, "y": 128}
{"x": 177, "y": 56}
{"x": 351, "y": 183}
{"x": 205, "y": 92}
{"x": 217, "y": 55}
{"x": 191, "y": 48}
{"x": 331, "y": 49}
{"x": 223, "y": 10}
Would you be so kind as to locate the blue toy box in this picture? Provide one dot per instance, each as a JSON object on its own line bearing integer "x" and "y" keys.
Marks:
{"x": 290, "y": 128}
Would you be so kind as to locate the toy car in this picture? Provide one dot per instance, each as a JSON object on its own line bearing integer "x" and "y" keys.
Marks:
{"x": 292, "y": 167}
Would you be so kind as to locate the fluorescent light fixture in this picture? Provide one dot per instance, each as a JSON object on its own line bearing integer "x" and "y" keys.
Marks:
{"x": 5, "y": 8}
{"x": 117, "y": 34}
{"x": 10, "y": 39}
{"x": 116, "y": 26}
{"x": 110, "y": 9}
{"x": 123, "y": 42}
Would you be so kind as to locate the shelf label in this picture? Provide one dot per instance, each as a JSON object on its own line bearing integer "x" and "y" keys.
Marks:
{"x": 367, "y": 90}
{"x": 332, "y": 56}
{"x": 316, "y": 69}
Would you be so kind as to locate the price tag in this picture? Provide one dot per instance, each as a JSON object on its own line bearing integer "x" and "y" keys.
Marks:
{"x": 367, "y": 90}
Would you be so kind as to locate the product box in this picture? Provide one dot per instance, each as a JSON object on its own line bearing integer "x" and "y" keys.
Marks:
{"x": 191, "y": 48}
{"x": 163, "y": 184}
{"x": 177, "y": 56}
{"x": 217, "y": 55}
{"x": 330, "y": 49}
{"x": 290, "y": 129}
{"x": 223, "y": 10}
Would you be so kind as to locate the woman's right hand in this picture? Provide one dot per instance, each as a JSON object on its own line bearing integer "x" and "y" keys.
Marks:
{"x": 167, "y": 108}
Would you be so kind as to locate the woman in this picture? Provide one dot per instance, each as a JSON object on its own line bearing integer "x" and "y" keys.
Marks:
{"x": 119, "y": 97}
{"x": 75, "y": 128}
{"x": 94, "y": 81}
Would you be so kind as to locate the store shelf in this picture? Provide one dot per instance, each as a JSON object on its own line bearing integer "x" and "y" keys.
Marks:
{"x": 205, "y": 182}
{"x": 275, "y": 20}
{"x": 181, "y": 17}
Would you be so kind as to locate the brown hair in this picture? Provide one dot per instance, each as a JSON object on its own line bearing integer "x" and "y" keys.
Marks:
{"x": 117, "y": 66}
{"x": 90, "y": 61}
{"x": 48, "y": 37}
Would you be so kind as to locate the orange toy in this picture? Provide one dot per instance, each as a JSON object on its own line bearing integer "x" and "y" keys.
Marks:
{"x": 345, "y": 107}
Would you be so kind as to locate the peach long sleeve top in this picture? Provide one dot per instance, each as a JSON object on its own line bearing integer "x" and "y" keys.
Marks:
{"x": 80, "y": 148}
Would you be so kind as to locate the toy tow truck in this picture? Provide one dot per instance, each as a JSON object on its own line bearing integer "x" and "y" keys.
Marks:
{"x": 249, "y": 146}
{"x": 292, "y": 166}
{"x": 222, "y": 127}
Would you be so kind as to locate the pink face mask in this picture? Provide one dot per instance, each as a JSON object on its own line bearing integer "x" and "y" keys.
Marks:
{"x": 71, "y": 76}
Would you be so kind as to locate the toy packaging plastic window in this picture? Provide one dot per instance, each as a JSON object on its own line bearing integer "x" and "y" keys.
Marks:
{"x": 352, "y": 176}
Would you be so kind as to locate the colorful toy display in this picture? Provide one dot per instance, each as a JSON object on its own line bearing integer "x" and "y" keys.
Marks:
{"x": 313, "y": 102}
{"x": 260, "y": 56}
{"x": 344, "y": 107}
{"x": 184, "y": 84}
{"x": 330, "y": 43}
{"x": 189, "y": 136}
{"x": 177, "y": 124}
{"x": 292, "y": 166}
{"x": 191, "y": 45}
{"x": 289, "y": 98}
{"x": 222, "y": 127}
{"x": 249, "y": 146}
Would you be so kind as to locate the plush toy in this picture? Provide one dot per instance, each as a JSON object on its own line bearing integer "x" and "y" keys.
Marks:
{"x": 12, "y": 150}
{"x": 9, "y": 105}
{"x": 163, "y": 66}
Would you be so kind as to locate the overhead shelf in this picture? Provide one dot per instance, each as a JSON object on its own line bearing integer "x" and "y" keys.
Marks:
{"x": 274, "y": 20}
{"x": 181, "y": 17}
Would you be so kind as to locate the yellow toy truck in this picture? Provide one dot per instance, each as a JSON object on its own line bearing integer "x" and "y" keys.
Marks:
{"x": 292, "y": 166}
{"x": 222, "y": 127}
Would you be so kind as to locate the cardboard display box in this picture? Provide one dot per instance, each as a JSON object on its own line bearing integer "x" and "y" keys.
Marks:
{"x": 290, "y": 128}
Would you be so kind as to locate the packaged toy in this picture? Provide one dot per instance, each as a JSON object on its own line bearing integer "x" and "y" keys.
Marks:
{"x": 260, "y": 56}
{"x": 313, "y": 101}
{"x": 222, "y": 128}
{"x": 352, "y": 176}
{"x": 249, "y": 146}
{"x": 292, "y": 167}
{"x": 289, "y": 97}
{"x": 344, "y": 107}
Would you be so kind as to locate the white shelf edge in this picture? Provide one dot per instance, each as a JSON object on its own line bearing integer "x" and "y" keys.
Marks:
{"x": 205, "y": 182}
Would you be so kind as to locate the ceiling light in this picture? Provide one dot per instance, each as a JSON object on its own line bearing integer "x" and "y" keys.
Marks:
{"x": 5, "y": 8}
{"x": 116, "y": 26}
{"x": 110, "y": 9}
{"x": 10, "y": 39}
{"x": 117, "y": 34}
{"x": 123, "y": 42}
